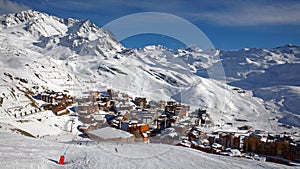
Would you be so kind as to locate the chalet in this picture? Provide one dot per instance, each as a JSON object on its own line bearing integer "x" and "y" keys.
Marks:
{"x": 139, "y": 130}
{"x": 211, "y": 138}
{"x": 60, "y": 98}
{"x": 229, "y": 140}
{"x": 103, "y": 101}
{"x": 170, "y": 107}
{"x": 146, "y": 116}
{"x": 201, "y": 144}
{"x": 88, "y": 108}
{"x": 100, "y": 117}
{"x": 123, "y": 116}
{"x": 254, "y": 143}
{"x": 184, "y": 143}
{"x": 181, "y": 111}
{"x": 104, "y": 97}
{"x": 204, "y": 147}
{"x": 60, "y": 109}
{"x": 204, "y": 141}
{"x": 104, "y": 106}
{"x": 148, "y": 119}
{"x": 116, "y": 123}
{"x": 120, "y": 120}
{"x": 194, "y": 145}
{"x": 56, "y": 101}
{"x": 204, "y": 120}
{"x": 54, "y": 97}
{"x": 44, "y": 97}
{"x": 113, "y": 107}
{"x": 231, "y": 152}
{"x": 48, "y": 97}
{"x": 96, "y": 94}
{"x": 140, "y": 101}
{"x": 161, "y": 105}
{"x": 281, "y": 146}
{"x": 200, "y": 112}
{"x": 48, "y": 106}
{"x": 157, "y": 105}
{"x": 124, "y": 100}
{"x": 125, "y": 104}
{"x": 113, "y": 94}
{"x": 162, "y": 122}
{"x": 87, "y": 119}
{"x": 175, "y": 109}
{"x": 295, "y": 151}
{"x": 216, "y": 148}
{"x": 91, "y": 96}
{"x": 193, "y": 135}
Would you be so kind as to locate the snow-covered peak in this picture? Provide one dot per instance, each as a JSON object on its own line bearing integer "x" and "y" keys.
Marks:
{"x": 82, "y": 37}
{"x": 155, "y": 48}
{"x": 22, "y": 17}
{"x": 87, "y": 26}
{"x": 36, "y": 23}
{"x": 287, "y": 49}
{"x": 193, "y": 49}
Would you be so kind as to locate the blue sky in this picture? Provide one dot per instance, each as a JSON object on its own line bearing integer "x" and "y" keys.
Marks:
{"x": 230, "y": 24}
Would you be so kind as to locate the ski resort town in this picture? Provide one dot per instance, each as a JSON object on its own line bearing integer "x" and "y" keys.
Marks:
{"x": 114, "y": 116}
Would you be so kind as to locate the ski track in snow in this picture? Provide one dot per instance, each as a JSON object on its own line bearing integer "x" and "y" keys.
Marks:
{"x": 21, "y": 152}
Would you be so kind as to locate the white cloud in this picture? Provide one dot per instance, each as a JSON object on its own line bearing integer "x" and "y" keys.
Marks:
{"x": 7, "y": 6}
{"x": 253, "y": 14}
{"x": 229, "y": 12}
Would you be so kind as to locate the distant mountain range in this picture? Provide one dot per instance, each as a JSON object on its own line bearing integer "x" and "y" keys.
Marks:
{"x": 39, "y": 52}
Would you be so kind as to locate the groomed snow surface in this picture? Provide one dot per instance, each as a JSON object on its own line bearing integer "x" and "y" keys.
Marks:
{"x": 24, "y": 152}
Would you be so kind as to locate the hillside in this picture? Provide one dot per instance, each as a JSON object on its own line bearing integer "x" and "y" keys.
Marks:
{"x": 270, "y": 73}
{"x": 40, "y": 52}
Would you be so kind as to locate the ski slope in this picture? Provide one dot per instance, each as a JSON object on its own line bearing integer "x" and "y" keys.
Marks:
{"x": 23, "y": 152}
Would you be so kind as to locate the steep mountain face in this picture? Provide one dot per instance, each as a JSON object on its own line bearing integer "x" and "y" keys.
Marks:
{"x": 272, "y": 74}
{"x": 39, "y": 52}
{"x": 83, "y": 37}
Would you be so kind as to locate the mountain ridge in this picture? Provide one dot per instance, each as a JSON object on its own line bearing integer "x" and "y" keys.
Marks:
{"x": 79, "y": 56}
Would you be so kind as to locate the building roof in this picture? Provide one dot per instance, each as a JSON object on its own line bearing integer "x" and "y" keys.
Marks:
{"x": 110, "y": 133}
{"x": 60, "y": 97}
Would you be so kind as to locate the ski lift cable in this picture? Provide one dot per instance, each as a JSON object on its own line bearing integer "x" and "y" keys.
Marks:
{"x": 68, "y": 147}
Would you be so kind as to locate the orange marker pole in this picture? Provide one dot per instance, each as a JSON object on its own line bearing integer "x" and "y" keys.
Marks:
{"x": 61, "y": 160}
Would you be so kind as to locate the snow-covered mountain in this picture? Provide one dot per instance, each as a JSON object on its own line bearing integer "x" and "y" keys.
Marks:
{"x": 83, "y": 37}
{"x": 39, "y": 52}
{"x": 272, "y": 75}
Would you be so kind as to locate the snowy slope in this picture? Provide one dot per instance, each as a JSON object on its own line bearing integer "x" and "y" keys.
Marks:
{"x": 24, "y": 152}
{"x": 272, "y": 75}
{"x": 83, "y": 37}
{"x": 39, "y": 52}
